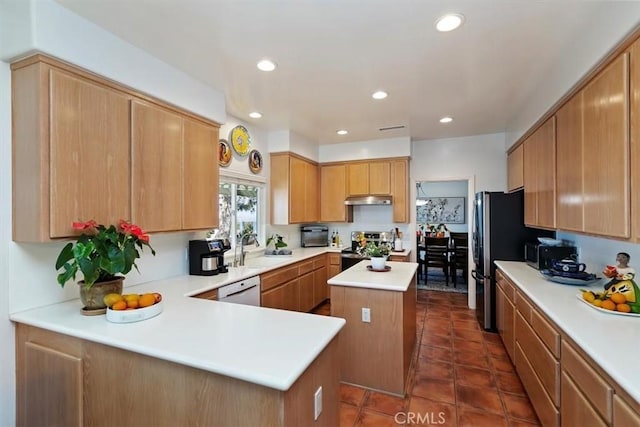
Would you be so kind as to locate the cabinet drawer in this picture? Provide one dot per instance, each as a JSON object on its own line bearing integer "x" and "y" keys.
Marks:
{"x": 334, "y": 259}
{"x": 546, "y": 367}
{"x": 623, "y": 414}
{"x": 546, "y": 332}
{"x": 595, "y": 389}
{"x": 319, "y": 261}
{"x": 542, "y": 403}
{"x": 576, "y": 409}
{"x": 507, "y": 287}
{"x": 281, "y": 275}
{"x": 524, "y": 307}
{"x": 305, "y": 267}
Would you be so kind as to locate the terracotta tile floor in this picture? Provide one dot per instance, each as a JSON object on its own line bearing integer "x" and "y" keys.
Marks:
{"x": 461, "y": 376}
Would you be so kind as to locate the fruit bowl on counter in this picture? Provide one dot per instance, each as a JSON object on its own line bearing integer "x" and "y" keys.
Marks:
{"x": 132, "y": 307}
{"x": 618, "y": 298}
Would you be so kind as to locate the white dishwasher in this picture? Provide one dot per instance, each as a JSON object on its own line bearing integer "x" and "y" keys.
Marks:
{"x": 245, "y": 291}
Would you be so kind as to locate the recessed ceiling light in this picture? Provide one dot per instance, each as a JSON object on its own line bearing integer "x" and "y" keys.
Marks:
{"x": 255, "y": 115}
{"x": 379, "y": 95}
{"x": 446, "y": 120}
{"x": 266, "y": 65}
{"x": 449, "y": 22}
{"x": 342, "y": 132}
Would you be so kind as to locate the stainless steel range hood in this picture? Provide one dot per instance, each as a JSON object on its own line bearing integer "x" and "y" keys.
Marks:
{"x": 368, "y": 200}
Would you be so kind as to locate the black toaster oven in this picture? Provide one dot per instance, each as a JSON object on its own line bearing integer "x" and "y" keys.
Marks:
{"x": 541, "y": 256}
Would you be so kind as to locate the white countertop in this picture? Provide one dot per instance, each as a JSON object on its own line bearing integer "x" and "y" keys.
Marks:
{"x": 611, "y": 340}
{"x": 260, "y": 345}
{"x": 397, "y": 279}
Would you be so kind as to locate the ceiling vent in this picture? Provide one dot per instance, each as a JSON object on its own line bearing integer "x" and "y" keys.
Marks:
{"x": 392, "y": 128}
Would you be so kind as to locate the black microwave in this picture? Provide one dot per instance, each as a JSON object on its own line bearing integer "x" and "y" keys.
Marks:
{"x": 541, "y": 257}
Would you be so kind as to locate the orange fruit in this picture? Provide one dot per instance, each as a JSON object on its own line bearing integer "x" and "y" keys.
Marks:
{"x": 609, "y": 305}
{"x": 618, "y": 298}
{"x": 597, "y": 302}
{"x": 624, "y": 308}
{"x": 133, "y": 303}
{"x": 147, "y": 300}
{"x": 111, "y": 299}
{"x": 588, "y": 296}
{"x": 120, "y": 305}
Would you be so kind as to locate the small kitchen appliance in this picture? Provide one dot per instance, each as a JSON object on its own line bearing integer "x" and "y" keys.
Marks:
{"x": 314, "y": 235}
{"x": 542, "y": 257}
{"x": 206, "y": 257}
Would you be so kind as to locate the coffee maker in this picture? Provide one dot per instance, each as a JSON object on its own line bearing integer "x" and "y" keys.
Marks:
{"x": 206, "y": 257}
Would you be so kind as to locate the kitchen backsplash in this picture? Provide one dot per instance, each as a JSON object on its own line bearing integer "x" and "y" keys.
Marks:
{"x": 596, "y": 252}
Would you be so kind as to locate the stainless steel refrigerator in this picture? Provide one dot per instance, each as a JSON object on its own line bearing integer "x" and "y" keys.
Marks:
{"x": 499, "y": 233}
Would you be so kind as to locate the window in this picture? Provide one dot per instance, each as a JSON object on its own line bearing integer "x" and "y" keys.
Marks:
{"x": 240, "y": 210}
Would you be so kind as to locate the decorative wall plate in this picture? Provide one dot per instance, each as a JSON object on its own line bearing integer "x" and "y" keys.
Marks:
{"x": 224, "y": 153}
{"x": 255, "y": 161}
{"x": 240, "y": 140}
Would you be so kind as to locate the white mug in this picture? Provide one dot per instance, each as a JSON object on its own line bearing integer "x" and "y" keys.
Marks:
{"x": 397, "y": 246}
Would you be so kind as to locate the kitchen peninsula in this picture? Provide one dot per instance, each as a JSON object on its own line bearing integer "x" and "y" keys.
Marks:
{"x": 379, "y": 338}
{"x": 198, "y": 363}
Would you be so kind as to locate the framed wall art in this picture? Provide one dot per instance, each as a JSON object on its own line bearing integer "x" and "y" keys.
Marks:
{"x": 224, "y": 153}
{"x": 440, "y": 210}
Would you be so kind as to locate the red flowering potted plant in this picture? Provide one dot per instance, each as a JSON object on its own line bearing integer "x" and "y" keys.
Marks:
{"x": 101, "y": 253}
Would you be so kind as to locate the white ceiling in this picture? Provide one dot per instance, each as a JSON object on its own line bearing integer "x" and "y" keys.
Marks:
{"x": 333, "y": 54}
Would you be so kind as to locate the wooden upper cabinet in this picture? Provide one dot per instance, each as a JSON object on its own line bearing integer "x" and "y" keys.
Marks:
{"x": 379, "y": 178}
{"x": 606, "y": 151}
{"x": 357, "y": 179}
{"x": 634, "y": 81}
{"x": 333, "y": 189}
{"x": 156, "y": 163}
{"x": 515, "y": 168}
{"x": 569, "y": 165}
{"x": 201, "y": 179}
{"x": 540, "y": 176}
{"x": 294, "y": 189}
{"x": 89, "y": 152}
{"x": 369, "y": 178}
{"x": 400, "y": 190}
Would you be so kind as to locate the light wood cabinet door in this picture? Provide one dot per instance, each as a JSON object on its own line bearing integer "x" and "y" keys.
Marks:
{"x": 157, "y": 168}
{"x": 540, "y": 176}
{"x": 515, "y": 169}
{"x": 576, "y": 410}
{"x": 358, "y": 179}
{"x": 634, "y": 141}
{"x": 606, "y": 151}
{"x": 379, "y": 178}
{"x": 546, "y": 161}
{"x": 320, "y": 287}
{"x": 530, "y": 180}
{"x": 623, "y": 414}
{"x": 400, "y": 190}
{"x": 306, "y": 301}
{"x": 297, "y": 190}
{"x": 569, "y": 165}
{"x": 89, "y": 149}
{"x": 333, "y": 189}
{"x": 200, "y": 180}
{"x": 312, "y": 194}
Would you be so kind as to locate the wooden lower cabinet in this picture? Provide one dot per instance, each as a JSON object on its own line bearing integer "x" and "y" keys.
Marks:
{"x": 505, "y": 313}
{"x": 62, "y": 381}
{"x": 334, "y": 265}
{"x": 576, "y": 410}
{"x": 298, "y": 287}
{"x": 210, "y": 295}
{"x": 399, "y": 258}
{"x": 623, "y": 414}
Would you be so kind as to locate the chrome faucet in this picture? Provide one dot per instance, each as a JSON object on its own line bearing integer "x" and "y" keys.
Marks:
{"x": 243, "y": 254}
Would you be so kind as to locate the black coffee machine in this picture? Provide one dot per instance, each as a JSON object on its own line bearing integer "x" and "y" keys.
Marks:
{"x": 206, "y": 257}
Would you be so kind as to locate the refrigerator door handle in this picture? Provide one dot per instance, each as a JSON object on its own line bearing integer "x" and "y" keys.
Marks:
{"x": 476, "y": 276}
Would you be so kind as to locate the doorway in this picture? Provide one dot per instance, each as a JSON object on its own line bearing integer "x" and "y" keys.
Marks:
{"x": 442, "y": 208}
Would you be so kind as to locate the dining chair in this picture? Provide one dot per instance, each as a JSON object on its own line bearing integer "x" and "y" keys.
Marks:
{"x": 459, "y": 258}
{"x": 437, "y": 255}
{"x": 459, "y": 235}
{"x": 421, "y": 257}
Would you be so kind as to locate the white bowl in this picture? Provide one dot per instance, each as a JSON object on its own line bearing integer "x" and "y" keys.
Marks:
{"x": 548, "y": 241}
{"x": 128, "y": 316}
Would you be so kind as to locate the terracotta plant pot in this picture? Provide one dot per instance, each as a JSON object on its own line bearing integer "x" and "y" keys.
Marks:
{"x": 93, "y": 297}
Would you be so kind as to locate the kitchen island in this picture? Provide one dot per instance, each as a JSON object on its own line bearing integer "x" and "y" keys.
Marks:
{"x": 197, "y": 363}
{"x": 378, "y": 340}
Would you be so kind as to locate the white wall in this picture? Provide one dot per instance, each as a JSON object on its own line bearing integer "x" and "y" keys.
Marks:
{"x": 7, "y": 353}
{"x": 374, "y": 149}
